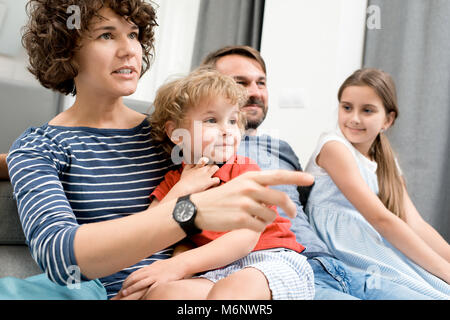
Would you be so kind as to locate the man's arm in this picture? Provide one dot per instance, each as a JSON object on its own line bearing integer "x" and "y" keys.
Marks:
{"x": 3, "y": 167}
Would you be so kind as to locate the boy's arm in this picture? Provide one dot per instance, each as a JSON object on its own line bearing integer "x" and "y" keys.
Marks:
{"x": 218, "y": 253}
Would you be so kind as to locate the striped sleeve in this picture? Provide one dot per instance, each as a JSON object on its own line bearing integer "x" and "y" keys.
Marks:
{"x": 48, "y": 221}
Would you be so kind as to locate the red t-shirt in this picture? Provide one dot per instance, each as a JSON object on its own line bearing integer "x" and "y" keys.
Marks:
{"x": 276, "y": 235}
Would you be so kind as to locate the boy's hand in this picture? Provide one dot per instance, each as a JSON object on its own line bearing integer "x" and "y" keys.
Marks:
{"x": 198, "y": 177}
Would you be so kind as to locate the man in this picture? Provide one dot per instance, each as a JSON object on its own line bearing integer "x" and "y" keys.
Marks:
{"x": 333, "y": 279}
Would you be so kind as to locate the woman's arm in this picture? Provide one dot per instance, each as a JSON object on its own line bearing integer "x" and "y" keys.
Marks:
{"x": 99, "y": 249}
{"x": 337, "y": 160}
{"x": 106, "y": 247}
{"x": 424, "y": 230}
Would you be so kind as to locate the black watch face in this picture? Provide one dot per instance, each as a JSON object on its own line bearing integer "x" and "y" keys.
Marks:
{"x": 184, "y": 210}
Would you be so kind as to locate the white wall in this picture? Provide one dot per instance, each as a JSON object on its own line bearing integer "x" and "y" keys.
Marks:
{"x": 13, "y": 59}
{"x": 174, "y": 44}
{"x": 310, "y": 47}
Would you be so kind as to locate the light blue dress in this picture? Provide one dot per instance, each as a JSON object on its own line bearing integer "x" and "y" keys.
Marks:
{"x": 352, "y": 239}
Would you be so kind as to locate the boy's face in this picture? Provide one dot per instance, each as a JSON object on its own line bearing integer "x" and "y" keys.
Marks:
{"x": 213, "y": 129}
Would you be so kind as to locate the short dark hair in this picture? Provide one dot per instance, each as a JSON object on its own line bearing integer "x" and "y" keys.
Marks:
{"x": 245, "y": 51}
{"x": 51, "y": 45}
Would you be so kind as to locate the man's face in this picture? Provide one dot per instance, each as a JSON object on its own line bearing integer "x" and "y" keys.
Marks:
{"x": 249, "y": 73}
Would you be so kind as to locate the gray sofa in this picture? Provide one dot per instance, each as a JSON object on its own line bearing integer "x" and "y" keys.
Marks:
{"x": 22, "y": 106}
{"x": 15, "y": 258}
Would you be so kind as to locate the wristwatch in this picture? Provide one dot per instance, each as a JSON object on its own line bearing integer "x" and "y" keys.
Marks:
{"x": 184, "y": 213}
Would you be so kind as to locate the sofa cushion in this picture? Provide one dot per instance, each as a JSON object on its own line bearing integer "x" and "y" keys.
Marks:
{"x": 10, "y": 228}
{"x": 16, "y": 261}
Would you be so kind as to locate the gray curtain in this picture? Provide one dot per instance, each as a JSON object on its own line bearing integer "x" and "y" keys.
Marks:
{"x": 413, "y": 45}
{"x": 227, "y": 22}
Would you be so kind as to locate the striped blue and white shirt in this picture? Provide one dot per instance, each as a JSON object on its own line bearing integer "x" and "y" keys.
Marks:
{"x": 67, "y": 176}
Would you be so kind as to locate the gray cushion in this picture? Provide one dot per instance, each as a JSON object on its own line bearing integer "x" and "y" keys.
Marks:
{"x": 10, "y": 228}
{"x": 15, "y": 257}
{"x": 16, "y": 261}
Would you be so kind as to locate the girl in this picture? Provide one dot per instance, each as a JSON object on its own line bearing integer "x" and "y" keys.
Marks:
{"x": 359, "y": 204}
{"x": 205, "y": 108}
{"x": 82, "y": 180}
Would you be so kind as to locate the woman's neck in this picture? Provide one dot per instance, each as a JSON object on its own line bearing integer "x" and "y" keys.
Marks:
{"x": 98, "y": 112}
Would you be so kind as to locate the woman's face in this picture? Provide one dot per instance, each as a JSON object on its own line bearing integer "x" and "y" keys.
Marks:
{"x": 110, "y": 58}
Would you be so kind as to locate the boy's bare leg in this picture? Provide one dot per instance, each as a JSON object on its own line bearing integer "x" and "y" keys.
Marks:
{"x": 186, "y": 289}
{"x": 246, "y": 284}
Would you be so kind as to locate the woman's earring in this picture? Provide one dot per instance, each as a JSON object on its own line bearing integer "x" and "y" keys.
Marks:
{"x": 382, "y": 130}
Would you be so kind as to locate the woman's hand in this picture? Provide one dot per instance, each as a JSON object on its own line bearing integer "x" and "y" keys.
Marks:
{"x": 243, "y": 202}
{"x": 162, "y": 271}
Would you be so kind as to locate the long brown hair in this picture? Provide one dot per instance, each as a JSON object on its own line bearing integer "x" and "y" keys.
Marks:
{"x": 389, "y": 180}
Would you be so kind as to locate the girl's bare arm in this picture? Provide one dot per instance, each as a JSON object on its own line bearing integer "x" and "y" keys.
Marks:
{"x": 337, "y": 160}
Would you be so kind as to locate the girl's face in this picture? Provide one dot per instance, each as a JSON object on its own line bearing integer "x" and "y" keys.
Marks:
{"x": 213, "y": 131}
{"x": 110, "y": 58}
{"x": 362, "y": 116}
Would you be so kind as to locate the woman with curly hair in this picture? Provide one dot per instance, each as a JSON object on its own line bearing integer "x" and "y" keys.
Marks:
{"x": 82, "y": 180}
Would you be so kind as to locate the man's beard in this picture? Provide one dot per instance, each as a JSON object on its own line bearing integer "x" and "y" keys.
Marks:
{"x": 255, "y": 123}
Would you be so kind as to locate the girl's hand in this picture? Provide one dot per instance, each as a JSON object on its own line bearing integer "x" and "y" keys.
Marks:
{"x": 158, "y": 272}
{"x": 197, "y": 177}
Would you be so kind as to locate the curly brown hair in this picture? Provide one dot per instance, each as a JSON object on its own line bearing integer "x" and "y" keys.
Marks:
{"x": 51, "y": 45}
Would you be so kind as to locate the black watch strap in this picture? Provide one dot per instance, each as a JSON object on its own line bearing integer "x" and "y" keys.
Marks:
{"x": 188, "y": 226}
